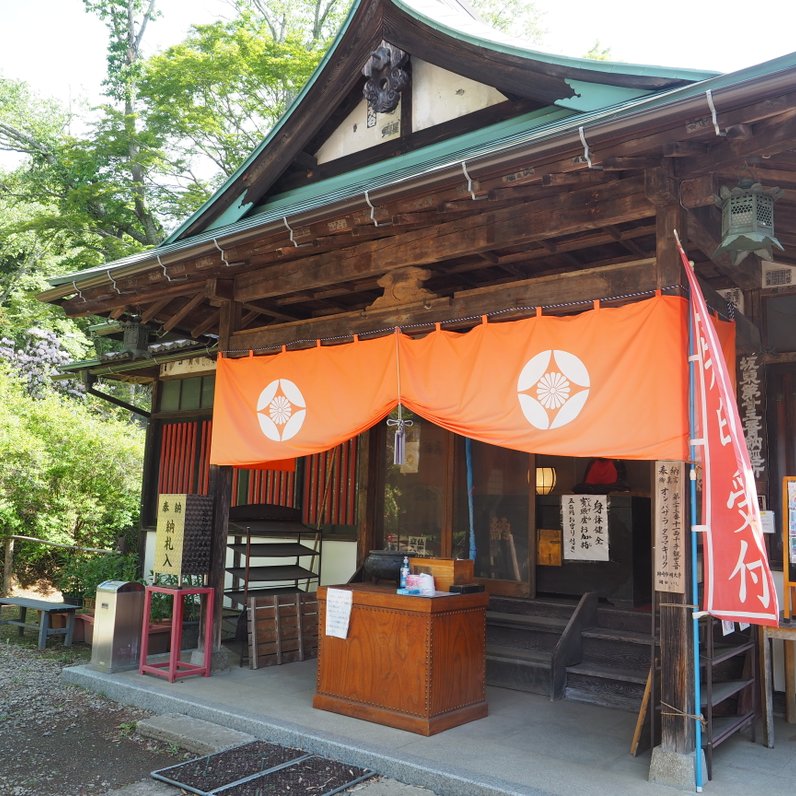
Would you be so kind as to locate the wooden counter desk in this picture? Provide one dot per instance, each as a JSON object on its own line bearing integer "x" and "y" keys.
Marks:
{"x": 415, "y": 663}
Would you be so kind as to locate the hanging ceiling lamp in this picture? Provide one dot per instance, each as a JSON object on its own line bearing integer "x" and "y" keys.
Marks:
{"x": 545, "y": 480}
{"x": 747, "y": 221}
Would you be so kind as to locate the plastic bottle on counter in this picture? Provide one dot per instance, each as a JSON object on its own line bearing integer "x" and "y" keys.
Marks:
{"x": 404, "y": 572}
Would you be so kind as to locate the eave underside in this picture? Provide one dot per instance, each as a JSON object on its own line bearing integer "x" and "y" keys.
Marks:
{"x": 499, "y": 240}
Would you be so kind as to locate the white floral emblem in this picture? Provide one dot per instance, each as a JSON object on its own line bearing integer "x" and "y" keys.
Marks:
{"x": 552, "y": 389}
{"x": 281, "y": 410}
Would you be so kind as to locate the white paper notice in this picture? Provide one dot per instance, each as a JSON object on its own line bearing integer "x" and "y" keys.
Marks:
{"x": 767, "y": 518}
{"x": 585, "y": 522}
{"x": 338, "y": 612}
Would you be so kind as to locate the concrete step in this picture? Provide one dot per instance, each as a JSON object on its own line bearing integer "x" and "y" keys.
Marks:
{"x": 195, "y": 735}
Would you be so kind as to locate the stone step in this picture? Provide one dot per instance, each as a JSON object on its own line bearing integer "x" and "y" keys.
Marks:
{"x": 195, "y": 735}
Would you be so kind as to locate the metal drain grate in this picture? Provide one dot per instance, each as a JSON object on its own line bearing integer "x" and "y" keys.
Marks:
{"x": 262, "y": 769}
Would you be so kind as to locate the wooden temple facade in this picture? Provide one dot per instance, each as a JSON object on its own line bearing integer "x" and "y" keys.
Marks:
{"x": 431, "y": 173}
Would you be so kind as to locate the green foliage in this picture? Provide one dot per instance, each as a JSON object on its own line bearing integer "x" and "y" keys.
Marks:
{"x": 219, "y": 92}
{"x": 316, "y": 20}
{"x": 161, "y": 606}
{"x": 516, "y": 17}
{"x": 598, "y": 52}
{"x": 81, "y": 573}
{"x": 68, "y": 475}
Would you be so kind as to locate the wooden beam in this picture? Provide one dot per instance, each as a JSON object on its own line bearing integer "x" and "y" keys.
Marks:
{"x": 699, "y": 191}
{"x": 669, "y": 267}
{"x": 99, "y": 300}
{"x": 152, "y": 310}
{"x": 210, "y": 320}
{"x": 584, "y": 285}
{"x": 770, "y": 137}
{"x": 183, "y": 311}
{"x": 571, "y": 212}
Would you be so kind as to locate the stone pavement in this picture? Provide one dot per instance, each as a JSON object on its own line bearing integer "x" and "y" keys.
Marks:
{"x": 527, "y": 745}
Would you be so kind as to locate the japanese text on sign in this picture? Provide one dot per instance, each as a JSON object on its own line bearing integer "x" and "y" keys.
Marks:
{"x": 751, "y": 409}
{"x": 669, "y": 569}
{"x": 585, "y": 523}
{"x": 170, "y": 534}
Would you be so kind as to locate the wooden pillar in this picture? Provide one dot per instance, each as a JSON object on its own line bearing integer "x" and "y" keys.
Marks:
{"x": 221, "y": 490}
{"x": 661, "y": 189}
{"x": 672, "y": 760}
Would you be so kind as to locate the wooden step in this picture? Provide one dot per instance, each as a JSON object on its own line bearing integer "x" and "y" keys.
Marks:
{"x": 608, "y": 686}
{"x": 624, "y": 619}
{"x": 523, "y": 632}
{"x": 544, "y": 624}
{"x": 519, "y": 669}
{"x": 561, "y": 608}
{"x": 624, "y": 649}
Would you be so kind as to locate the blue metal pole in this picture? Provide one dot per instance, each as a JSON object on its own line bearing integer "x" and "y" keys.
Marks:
{"x": 694, "y": 568}
{"x": 468, "y": 452}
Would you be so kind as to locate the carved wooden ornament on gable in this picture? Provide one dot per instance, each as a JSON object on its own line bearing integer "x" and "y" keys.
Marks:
{"x": 386, "y": 77}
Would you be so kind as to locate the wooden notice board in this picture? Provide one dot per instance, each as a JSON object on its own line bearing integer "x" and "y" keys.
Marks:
{"x": 788, "y": 542}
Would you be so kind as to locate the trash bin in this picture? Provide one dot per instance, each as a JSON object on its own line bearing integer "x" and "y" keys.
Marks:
{"x": 118, "y": 616}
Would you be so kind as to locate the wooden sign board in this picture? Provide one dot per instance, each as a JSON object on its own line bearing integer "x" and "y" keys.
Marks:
{"x": 169, "y": 535}
{"x": 670, "y": 549}
{"x": 182, "y": 539}
{"x": 548, "y": 547}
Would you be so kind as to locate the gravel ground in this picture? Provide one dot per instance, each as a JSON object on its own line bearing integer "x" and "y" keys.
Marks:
{"x": 58, "y": 740}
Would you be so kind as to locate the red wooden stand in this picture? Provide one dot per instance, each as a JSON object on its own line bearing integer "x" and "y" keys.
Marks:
{"x": 175, "y": 668}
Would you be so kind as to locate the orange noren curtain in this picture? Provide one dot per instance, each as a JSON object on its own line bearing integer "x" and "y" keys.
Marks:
{"x": 610, "y": 382}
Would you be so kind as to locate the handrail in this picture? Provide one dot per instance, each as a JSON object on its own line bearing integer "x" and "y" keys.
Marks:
{"x": 58, "y": 544}
{"x": 568, "y": 648}
{"x": 8, "y": 559}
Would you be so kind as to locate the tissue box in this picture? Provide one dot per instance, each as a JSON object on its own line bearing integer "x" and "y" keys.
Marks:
{"x": 446, "y": 571}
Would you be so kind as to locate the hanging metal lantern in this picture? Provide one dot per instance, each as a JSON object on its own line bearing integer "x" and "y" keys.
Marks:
{"x": 135, "y": 337}
{"x": 747, "y": 221}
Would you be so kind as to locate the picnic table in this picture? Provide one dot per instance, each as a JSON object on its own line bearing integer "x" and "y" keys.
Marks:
{"x": 45, "y": 609}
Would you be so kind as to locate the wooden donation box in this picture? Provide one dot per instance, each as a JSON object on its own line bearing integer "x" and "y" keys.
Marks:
{"x": 415, "y": 663}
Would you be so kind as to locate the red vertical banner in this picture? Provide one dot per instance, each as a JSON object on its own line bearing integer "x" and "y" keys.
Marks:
{"x": 737, "y": 578}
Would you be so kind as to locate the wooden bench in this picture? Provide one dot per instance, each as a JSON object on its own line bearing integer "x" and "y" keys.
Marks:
{"x": 45, "y": 609}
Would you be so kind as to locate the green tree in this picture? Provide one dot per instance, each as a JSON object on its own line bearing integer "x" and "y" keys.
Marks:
{"x": 68, "y": 475}
{"x": 317, "y": 20}
{"x": 127, "y": 22}
{"x": 71, "y": 192}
